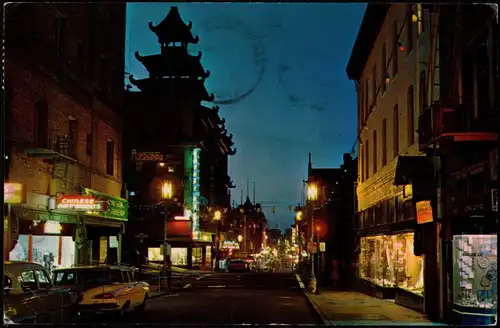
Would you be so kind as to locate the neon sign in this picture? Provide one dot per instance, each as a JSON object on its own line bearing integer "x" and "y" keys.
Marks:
{"x": 196, "y": 192}
{"x": 77, "y": 202}
{"x": 14, "y": 193}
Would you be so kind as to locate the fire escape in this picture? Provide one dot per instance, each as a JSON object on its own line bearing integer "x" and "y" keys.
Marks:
{"x": 450, "y": 120}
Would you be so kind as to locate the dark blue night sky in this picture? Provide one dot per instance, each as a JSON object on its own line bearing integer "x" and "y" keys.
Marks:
{"x": 281, "y": 69}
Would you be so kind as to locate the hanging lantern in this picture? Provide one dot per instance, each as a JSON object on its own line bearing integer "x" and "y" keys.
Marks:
{"x": 401, "y": 47}
{"x": 387, "y": 79}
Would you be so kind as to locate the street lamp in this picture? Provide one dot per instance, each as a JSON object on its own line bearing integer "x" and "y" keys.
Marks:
{"x": 217, "y": 218}
{"x": 240, "y": 238}
{"x": 167, "y": 192}
{"x": 312, "y": 197}
{"x": 318, "y": 229}
{"x": 242, "y": 211}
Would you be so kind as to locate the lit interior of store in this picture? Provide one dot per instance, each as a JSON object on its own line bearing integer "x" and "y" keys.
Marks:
{"x": 389, "y": 261}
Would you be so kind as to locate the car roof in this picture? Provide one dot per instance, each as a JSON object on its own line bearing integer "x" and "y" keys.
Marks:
{"x": 17, "y": 265}
{"x": 101, "y": 267}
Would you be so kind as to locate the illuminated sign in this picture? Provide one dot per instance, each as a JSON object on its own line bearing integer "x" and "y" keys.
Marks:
{"x": 148, "y": 157}
{"x": 52, "y": 227}
{"x": 14, "y": 193}
{"x": 181, "y": 218}
{"x": 192, "y": 195}
{"x": 77, "y": 202}
{"x": 116, "y": 208}
{"x": 424, "y": 212}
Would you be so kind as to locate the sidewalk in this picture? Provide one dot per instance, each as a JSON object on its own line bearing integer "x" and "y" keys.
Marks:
{"x": 355, "y": 308}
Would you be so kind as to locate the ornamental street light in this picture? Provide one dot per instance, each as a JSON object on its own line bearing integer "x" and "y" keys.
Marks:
{"x": 242, "y": 211}
{"x": 217, "y": 219}
{"x": 167, "y": 192}
{"x": 312, "y": 197}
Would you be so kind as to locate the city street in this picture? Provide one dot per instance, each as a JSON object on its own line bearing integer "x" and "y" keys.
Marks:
{"x": 227, "y": 298}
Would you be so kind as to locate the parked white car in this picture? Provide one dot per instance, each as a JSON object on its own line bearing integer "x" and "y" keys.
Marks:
{"x": 104, "y": 288}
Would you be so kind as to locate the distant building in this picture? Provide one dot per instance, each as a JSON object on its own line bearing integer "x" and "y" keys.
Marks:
{"x": 274, "y": 237}
{"x": 64, "y": 71}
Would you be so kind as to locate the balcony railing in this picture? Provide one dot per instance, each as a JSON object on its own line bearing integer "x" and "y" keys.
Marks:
{"x": 439, "y": 121}
{"x": 57, "y": 145}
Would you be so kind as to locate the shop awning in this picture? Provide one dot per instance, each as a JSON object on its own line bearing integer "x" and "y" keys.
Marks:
{"x": 101, "y": 222}
{"x": 412, "y": 168}
{"x": 42, "y": 215}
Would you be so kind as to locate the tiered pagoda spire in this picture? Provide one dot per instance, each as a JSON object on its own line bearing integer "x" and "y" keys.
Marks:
{"x": 174, "y": 71}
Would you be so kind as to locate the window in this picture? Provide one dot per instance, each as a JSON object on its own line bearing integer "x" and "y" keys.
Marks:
{"x": 41, "y": 124}
{"x": 367, "y": 98}
{"x": 361, "y": 106}
{"x": 27, "y": 280}
{"x": 367, "y": 161}
{"x": 384, "y": 141}
{"x": 89, "y": 144}
{"x": 395, "y": 125}
{"x": 362, "y": 162}
{"x": 110, "y": 152}
{"x": 423, "y": 92}
{"x": 60, "y": 35}
{"x": 411, "y": 116}
{"x": 374, "y": 85}
{"x": 374, "y": 151}
{"x": 409, "y": 29}
{"x": 383, "y": 69}
{"x": 80, "y": 56}
{"x": 116, "y": 276}
{"x": 43, "y": 280}
{"x": 395, "y": 50}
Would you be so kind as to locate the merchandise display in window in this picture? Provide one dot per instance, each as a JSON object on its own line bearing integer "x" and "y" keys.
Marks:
{"x": 475, "y": 271}
{"x": 389, "y": 261}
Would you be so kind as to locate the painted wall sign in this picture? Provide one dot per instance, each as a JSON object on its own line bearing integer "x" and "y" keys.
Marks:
{"x": 424, "y": 212}
{"x": 80, "y": 203}
{"x": 149, "y": 157}
{"x": 117, "y": 208}
{"x": 14, "y": 193}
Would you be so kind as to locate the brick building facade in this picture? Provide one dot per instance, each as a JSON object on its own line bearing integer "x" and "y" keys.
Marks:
{"x": 64, "y": 86}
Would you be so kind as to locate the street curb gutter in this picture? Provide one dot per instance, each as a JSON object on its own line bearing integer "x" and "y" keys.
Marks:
{"x": 318, "y": 310}
{"x": 314, "y": 305}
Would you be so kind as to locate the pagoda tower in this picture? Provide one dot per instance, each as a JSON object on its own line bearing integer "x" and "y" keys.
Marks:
{"x": 167, "y": 117}
{"x": 176, "y": 78}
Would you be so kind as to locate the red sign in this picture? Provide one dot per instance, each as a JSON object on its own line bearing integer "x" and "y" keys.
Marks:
{"x": 424, "y": 212}
{"x": 78, "y": 202}
{"x": 149, "y": 157}
{"x": 180, "y": 228}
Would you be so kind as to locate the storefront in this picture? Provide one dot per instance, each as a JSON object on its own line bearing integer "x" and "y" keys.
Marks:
{"x": 104, "y": 229}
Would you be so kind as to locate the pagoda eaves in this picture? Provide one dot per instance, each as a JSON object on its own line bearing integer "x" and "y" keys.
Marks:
{"x": 173, "y": 29}
{"x": 173, "y": 62}
{"x": 175, "y": 85}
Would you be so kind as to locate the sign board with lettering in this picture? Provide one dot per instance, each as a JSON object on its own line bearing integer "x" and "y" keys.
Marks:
{"x": 117, "y": 208}
{"x": 424, "y": 212}
{"x": 80, "y": 203}
{"x": 14, "y": 193}
{"x": 148, "y": 157}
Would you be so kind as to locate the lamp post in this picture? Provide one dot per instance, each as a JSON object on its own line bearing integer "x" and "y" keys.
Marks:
{"x": 318, "y": 228}
{"x": 312, "y": 197}
{"x": 217, "y": 218}
{"x": 242, "y": 211}
{"x": 167, "y": 192}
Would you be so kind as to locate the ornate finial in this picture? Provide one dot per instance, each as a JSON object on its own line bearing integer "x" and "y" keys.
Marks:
{"x": 222, "y": 121}
{"x": 190, "y": 25}
{"x": 211, "y": 97}
{"x": 216, "y": 108}
{"x": 195, "y": 40}
{"x": 199, "y": 55}
{"x": 233, "y": 152}
{"x": 132, "y": 80}
{"x": 152, "y": 27}
{"x": 207, "y": 73}
{"x": 138, "y": 57}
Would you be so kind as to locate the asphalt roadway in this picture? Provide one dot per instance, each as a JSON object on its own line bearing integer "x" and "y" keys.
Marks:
{"x": 226, "y": 298}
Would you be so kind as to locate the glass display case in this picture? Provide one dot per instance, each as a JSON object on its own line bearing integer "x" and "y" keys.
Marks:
{"x": 475, "y": 271}
{"x": 389, "y": 261}
{"x": 409, "y": 268}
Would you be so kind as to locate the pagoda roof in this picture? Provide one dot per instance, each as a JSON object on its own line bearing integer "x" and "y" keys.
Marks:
{"x": 173, "y": 29}
{"x": 173, "y": 61}
{"x": 177, "y": 86}
{"x": 212, "y": 116}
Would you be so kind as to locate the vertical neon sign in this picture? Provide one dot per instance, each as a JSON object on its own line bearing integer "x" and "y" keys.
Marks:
{"x": 196, "y": 193}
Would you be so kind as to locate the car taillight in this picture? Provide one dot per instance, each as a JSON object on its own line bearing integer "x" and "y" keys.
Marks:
{"x": 105, "y": 296}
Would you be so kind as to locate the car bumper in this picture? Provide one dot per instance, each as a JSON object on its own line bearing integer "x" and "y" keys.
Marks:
{"x": 86, "y": 308}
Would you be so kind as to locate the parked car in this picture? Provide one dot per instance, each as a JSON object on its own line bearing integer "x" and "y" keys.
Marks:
{"x": 104, "y": 288}
{"x": 30, "y": 296}
{"x": 238, "y": 265}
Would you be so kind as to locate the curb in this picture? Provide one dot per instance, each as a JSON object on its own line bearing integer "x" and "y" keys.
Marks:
{"x": 318, "y": 310}
{"x": 173, "y": 291}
